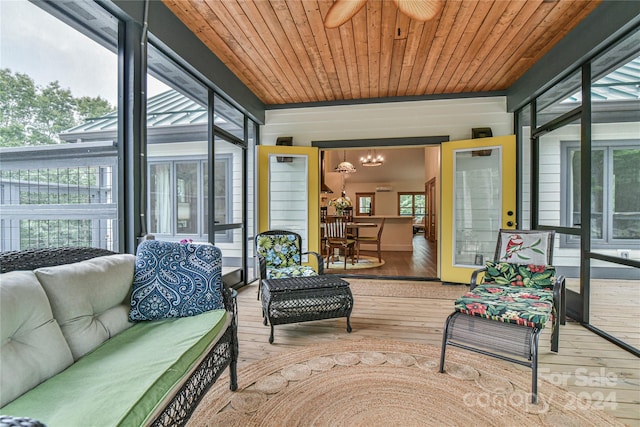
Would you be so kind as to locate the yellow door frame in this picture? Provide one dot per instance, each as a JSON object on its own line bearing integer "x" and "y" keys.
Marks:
{"x": 507, "y": 144}
{"x": 265, "y": 152}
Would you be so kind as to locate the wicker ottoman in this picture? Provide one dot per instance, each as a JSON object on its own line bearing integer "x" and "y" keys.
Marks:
{"x": 301, "y": 299}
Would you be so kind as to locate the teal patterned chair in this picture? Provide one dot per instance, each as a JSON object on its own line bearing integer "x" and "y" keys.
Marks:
{"x": 280, "y": 255}
{"x": 508, "y": 310}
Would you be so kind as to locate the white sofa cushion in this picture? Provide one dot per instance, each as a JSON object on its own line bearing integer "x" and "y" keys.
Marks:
{"x": 33, "y": 348}
{"x": 90, "y": 299}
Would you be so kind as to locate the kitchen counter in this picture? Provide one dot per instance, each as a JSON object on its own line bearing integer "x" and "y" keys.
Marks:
{"x": 397, "y": 234}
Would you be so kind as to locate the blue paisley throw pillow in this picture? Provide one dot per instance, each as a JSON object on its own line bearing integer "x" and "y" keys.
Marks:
{"x": 175, "y": 280}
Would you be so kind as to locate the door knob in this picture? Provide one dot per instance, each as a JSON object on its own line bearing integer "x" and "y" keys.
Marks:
{"x": 510, "y": 223}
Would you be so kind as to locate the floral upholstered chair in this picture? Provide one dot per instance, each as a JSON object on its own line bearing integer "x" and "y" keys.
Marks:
{"x": 280, "y": 255}
{"x": 516, "y": 293}
{"x": 507, "y": 311}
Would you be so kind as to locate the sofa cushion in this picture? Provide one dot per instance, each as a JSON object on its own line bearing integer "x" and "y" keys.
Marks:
{"x": 175, "y": 280}
{"x": 128, "y": 379}
{"x": 33, "y": 348}
{"x": 89, "y": 299}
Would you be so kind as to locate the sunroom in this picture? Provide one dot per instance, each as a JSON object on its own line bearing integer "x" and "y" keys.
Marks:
{"x": 180, "y": 144}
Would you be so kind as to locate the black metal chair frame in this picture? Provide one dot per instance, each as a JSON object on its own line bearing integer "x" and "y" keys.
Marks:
{"x": 471, "y": 332}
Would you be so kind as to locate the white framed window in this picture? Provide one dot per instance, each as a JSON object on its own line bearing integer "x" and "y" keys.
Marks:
{"x": 178, "y": 198}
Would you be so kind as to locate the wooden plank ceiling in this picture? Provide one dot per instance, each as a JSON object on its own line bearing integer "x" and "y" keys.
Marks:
{"x": 281, "y": 50}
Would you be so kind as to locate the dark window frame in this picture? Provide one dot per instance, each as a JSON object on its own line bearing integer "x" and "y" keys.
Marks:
{"x": 607, "y": 241}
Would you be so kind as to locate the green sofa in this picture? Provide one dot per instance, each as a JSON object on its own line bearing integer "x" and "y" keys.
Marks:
{"x": 70, "y": 356}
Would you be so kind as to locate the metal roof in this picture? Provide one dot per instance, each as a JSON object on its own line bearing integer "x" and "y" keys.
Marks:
{"x": 170, "y": 108}
{"x": 622, "y": 84}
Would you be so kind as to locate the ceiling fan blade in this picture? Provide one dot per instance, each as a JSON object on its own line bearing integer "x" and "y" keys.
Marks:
{"x": 420, "y": 10}
{"x": 341, "y": 11}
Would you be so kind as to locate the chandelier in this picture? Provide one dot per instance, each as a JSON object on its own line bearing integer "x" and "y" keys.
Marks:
{"x": 344, "y": 166}
{"x": 372, "y": 160}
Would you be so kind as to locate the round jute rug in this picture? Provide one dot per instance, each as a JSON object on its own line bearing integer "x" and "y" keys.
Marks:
{"x": 388, "y": 383}
{"x": 363, "y": 262}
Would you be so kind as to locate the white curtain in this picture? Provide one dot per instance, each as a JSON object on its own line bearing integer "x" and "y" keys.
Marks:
{"x": 162, "y": 190}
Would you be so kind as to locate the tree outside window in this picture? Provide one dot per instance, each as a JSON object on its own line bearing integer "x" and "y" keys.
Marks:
{"x": 411, "y": 204}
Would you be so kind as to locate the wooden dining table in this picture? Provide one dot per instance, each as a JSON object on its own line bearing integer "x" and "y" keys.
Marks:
{"x": 356, "y": 225}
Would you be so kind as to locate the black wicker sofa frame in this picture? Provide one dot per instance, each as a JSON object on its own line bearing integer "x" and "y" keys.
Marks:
{"x": 223, "y": 354}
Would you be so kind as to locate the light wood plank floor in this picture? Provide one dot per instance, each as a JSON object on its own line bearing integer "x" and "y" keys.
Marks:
{"x": 614, "y": 307}
{"x": 587, "y": 365}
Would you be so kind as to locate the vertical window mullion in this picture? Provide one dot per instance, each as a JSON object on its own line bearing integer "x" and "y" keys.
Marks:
{"x": 202, "y": 165}
{"x": 199, "y": 210}
{"x": 174, "y": 199}
{"x": 608, "y": 195}
{"x": 413, "y": 205}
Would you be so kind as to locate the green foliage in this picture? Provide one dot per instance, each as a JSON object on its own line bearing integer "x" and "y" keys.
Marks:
{"x": 34, "y": 115}
{"x": 89, "y": 108}
{"x": 81, "y": 179}
{"x": 627, "y": 180}
{"x": 412, "y": 204}
{"x": 47, "y": 233}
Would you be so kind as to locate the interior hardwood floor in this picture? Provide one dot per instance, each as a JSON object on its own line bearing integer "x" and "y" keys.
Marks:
{"x": 421, "y": 263}
{"x": 594, "y": 370}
